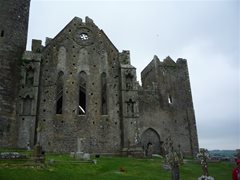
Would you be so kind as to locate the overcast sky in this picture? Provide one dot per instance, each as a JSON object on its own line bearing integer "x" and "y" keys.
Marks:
{"x": 206, "y": 33}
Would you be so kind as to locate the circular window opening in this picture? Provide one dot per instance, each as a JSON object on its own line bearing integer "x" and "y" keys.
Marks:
{"x": 84, "y": 36}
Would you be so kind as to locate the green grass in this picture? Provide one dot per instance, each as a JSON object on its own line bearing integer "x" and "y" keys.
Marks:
{"x": 66, "y": 168}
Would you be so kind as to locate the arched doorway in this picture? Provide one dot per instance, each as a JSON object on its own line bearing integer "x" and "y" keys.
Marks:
{"x": 150, "y": 138}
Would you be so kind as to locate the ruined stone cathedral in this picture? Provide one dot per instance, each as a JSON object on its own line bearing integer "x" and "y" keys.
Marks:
{"x": 79, "y": 85}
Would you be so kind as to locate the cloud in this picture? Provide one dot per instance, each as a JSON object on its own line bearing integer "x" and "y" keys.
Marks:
{"x": 213, "y": 78}
{"x": 220, "y": 135}
{"x": 215, "y": 89}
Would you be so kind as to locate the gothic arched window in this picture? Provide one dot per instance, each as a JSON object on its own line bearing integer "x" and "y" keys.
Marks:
{"x": 59, "y": 93}
{"x": 82, "y": 100}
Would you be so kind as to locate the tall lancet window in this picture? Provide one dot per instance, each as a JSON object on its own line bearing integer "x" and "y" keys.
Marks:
{"x": 2, "y": 33}
{"x": 103, "y": 94}
{"x": 82, "y": 93}
{"x": 59, "y": 93}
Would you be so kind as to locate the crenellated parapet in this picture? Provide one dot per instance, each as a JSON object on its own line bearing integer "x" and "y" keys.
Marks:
{"x": 158, "y": 70}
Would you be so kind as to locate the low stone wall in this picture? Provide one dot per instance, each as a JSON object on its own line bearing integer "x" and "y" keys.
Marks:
{"x": 133, "y": 151}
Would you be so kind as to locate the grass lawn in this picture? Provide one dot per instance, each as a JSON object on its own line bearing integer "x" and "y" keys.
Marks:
{"x": 65, "y": 167}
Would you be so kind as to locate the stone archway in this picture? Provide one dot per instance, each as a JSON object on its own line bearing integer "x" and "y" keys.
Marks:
{"x": 151, "y": 137}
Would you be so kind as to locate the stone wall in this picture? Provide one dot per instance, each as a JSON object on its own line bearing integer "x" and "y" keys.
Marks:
{"x": 129, "y": 101}
{"x": 13, "y": 37}
{"x": 166, "y": 103}
{"x": 79, "y": 86}
{"x": 88, "y": 62}
{"x": 27, "y": 102}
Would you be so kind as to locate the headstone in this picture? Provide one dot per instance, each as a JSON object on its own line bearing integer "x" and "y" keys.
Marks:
{"x": 28, "y": 147}
{"x": 51, "y": 161}
{"x": 38, "y": 154}
{"x": 86, "y": 156}
{"x": 37, "y": 151}
{"x": 79, "y": 155}
{"x": 205, "y": 178}
{"x": 166, "y": 167}
{"x": 149, "y": 150}
{"x": 79, "y": 144}
{"x": 72, "y": 154}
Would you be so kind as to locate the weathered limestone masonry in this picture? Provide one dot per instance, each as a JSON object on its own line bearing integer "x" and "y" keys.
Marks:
{"x": 165, "y": 103}
{"x": 79, "y": 86}
{"x": 79, "y": 91}
{"x": 28, "y": 96}
{"x": 13, "y": 36}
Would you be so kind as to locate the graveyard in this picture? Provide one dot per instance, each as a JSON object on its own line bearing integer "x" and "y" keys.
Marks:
{"x": 63, "y": 166}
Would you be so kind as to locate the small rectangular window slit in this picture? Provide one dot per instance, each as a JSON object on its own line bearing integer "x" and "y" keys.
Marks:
{"x": 2, "y": 33}
{"x": 169, "y": 99}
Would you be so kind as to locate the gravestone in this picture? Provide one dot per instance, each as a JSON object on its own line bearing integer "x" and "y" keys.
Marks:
{"x": 28, "y": 147}
{"x": 38, "y": 154}
{"x": 72, "y": 154}
{"x": 149, "y": 150}
{"x": 80, "y": 154}
{"x": 205, "y": 178}
{"x": 37, "y": 150}
{"x": 79, "y": 144}
{"x": 86, "y": 156}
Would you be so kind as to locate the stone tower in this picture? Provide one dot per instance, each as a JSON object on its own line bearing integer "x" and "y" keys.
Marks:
{"x": 14, "y": 15}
